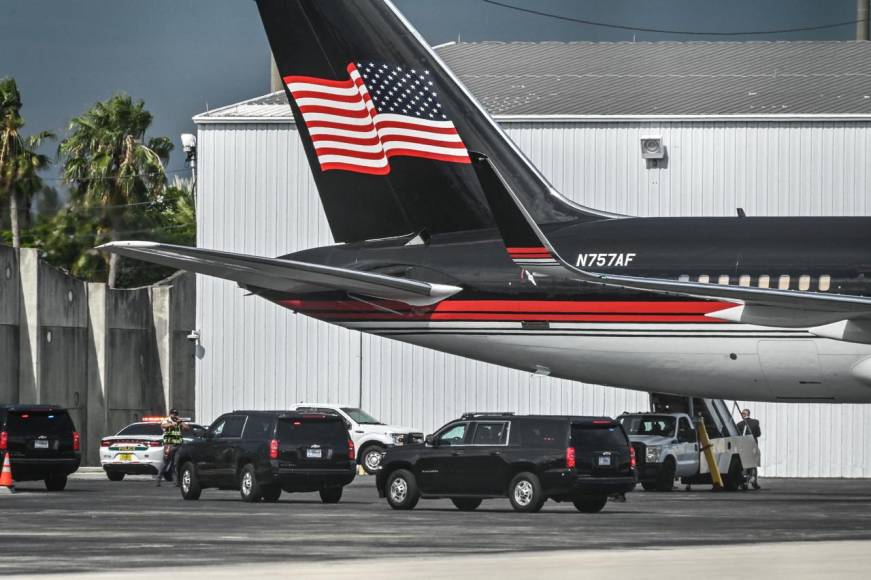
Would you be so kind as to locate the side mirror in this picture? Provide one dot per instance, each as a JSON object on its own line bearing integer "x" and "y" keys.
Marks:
{"x": 430, "y": 441}
{"x": 209, "y": 434}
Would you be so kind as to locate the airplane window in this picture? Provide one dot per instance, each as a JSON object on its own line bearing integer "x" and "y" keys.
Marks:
{"x": 744, "y": 280}
{"x": 724, "y": 280}
{"x": 825, "y": 283}
{"x": 764, "y": 280}
{"x": 704, "y": 278}
{"x": 804, "y": 282}
{"x": 683, "y": 278}
{"x": 783, "y": 282}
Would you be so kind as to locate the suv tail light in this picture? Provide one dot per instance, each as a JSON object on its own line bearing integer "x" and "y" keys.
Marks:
{"x": 105, "y": 443}
{"x": 352, "y": 454}
{"x": 157, "y": 443}
{"x": 570, "y": 457}
{"x": 632, "y": 462}
{"x": 273, "y": 449}
{"x": 77, "y": 441}
{"x": 4, "y": 440}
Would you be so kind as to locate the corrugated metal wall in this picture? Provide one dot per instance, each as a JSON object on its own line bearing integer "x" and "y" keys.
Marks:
{"x": 257, "y": 196}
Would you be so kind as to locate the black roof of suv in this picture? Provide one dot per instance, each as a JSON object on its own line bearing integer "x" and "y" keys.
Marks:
{"x": 42, "y": 443}
{"x": 529, "y": 458}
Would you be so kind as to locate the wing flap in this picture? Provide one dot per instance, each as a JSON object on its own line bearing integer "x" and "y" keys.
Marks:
{"x": 283, "y": 275}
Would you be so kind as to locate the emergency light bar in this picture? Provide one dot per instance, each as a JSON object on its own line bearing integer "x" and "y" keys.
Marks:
{"x": 151, "y": 419}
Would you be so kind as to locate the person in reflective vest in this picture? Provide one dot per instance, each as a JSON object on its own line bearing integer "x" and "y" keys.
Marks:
{"x": 172, "y": 440}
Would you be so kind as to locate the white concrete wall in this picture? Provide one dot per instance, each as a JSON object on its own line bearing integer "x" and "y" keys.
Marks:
{"x": 257, "y": 195}
{"x": 108, "y": 356}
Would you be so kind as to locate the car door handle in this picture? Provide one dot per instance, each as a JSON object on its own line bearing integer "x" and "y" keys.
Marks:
{"x": 455, "y": 453}
{"x": 495, "y": 453}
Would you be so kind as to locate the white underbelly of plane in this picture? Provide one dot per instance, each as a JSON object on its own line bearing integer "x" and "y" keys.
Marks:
{"x": 733, "y": 361}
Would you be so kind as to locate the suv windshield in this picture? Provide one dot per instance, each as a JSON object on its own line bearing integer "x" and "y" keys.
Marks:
{"x": 39, "y": 422}
{"x": 361, "y": 416}
{"x": 142, "y": 429}
{"x": 657, "y": 425}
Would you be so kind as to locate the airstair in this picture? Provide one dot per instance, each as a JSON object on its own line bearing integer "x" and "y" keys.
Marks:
{"x": 727, "y": 451}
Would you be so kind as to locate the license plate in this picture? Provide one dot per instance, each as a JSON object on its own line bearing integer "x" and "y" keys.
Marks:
{"x": 313, "y": 453}
{"x": 125, "y": 457}
{"x": 40, "y": 444}
{"x": 604, "y": 460}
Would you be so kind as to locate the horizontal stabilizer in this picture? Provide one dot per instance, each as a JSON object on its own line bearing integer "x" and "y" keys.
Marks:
{"x": 283, "y": 275}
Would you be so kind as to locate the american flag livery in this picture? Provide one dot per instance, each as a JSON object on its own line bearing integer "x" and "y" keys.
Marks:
{"x": 357, "y": 129}
{"x": 532, "y": 256}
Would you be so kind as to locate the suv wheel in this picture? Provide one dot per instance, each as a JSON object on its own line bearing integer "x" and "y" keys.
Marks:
{"x": 331, "y": 494}
{"x": 590, "y": 505}
{"x": 665, "y": 478}
{"x": 271, "y": 493}
{"x": 249, "y": 487}
{"x": 466, "y": 504}
{"x": 401, "y": 490}
{"x": 114, "y": 475}
{"x": 188, "y": 482}
{"x": 371, "y": 457}
{"x": 525, "y": 492}
{"x": 55, "y": 482}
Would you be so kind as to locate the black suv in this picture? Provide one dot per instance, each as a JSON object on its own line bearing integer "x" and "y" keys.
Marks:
{"x": 42, "y": 443}
{"x": 528, "y": 458}
{"x": 261, "y": 453}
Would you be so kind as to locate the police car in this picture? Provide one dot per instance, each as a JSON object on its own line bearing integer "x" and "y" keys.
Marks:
{"x": 137, "y": 449}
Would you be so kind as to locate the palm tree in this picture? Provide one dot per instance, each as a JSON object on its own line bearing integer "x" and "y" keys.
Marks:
{"x": 109, "y": 165}
{"x": 20, "y": 164}
{"x": 21, "y": 178}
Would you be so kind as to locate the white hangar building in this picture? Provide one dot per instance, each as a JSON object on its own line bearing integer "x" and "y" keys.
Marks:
{"x": 774, "y": 128}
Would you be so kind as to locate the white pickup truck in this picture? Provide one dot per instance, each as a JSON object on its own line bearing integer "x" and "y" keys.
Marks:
{"x": 370, "y": 436}
{"x": 667, "y": 447}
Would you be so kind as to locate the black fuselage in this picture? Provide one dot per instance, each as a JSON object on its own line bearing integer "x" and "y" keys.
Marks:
{"x": 834, "y": 249}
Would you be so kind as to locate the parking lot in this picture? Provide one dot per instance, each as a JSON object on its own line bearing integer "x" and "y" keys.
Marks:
{"x": 97, "y": 525}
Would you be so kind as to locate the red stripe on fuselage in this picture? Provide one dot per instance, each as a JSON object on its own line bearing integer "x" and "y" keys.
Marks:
{"x": 503, "y": 317}
{"x": 518, "y": 310}
{"x": 535, "y": 250}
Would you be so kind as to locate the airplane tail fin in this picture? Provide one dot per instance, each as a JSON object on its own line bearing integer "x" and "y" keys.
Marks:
{"x": 387, "y": 127}
{"x": 526, "y": 245}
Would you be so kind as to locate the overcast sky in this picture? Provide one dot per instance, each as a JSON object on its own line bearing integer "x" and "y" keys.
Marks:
{"x": 184, "y": 56}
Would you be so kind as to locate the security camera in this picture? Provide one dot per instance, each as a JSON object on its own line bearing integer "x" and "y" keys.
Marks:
{"x": 652, "y": 147}
{"x": 188, "y": 142}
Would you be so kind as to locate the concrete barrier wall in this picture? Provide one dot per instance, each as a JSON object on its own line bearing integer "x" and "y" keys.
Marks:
{"x": 109, "y": 356}
{"x": 8, "y": 324}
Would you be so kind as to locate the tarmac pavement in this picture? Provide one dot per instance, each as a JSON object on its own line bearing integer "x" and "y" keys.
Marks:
{"x": 97, "y": 525}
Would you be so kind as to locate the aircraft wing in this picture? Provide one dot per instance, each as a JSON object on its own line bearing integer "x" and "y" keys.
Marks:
{"x": 283, "y": 275}
{"x": 837, "y": 316}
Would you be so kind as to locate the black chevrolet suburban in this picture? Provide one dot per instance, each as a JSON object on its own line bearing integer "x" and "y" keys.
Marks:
{"x": 528, "y": 458}
{"x": 42, "y": 443}
{"x": 261, "y": 453}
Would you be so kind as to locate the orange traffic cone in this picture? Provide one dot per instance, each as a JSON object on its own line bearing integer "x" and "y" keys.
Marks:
{"x": 6, "y": 483}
